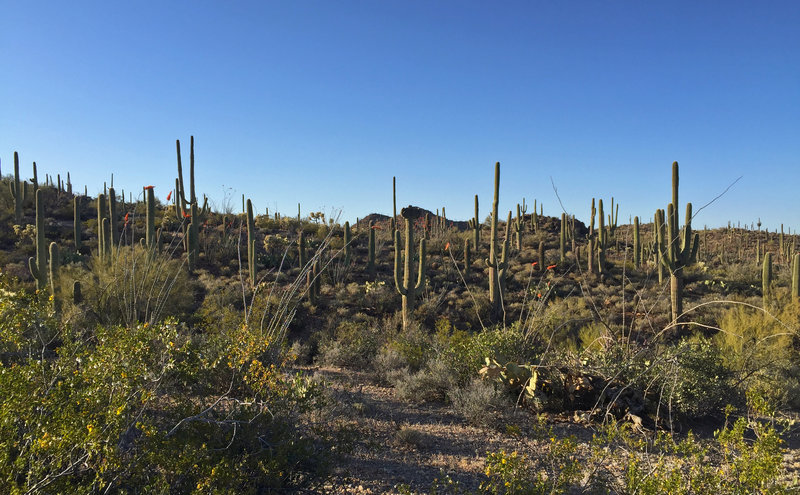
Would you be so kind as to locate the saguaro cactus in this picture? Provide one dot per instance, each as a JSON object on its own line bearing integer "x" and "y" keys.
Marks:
{"x": 103, "y": 247}
{"x": 150, "y": 220}
{"x": 17, "y": 189}
{"x": 766, "y": 279}
{"x": 500, "y": 267}
{"x": 406, "y": 288}
{"x": 796, "y": 276}
{"x": 602, "y": 240}
{"x": 475, "y": 225}
{"x": 193, "y": 212}
{"x": 637, "y": 245}
{"x": 302, "y": 259}
{"x": 681, "y": 251}
{"x": 467, "y": 256}
{"x": 38, "y": 265}
{"x": 492, "y": 262}
{"x": 251, "y": 244}
{"x": 348, "y": 240}
{"x": 112, "y": 217}
{"x": 53, "y": 267}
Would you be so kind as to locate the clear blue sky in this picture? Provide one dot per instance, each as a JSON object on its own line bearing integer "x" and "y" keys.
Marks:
{"x": 322, "y": 102}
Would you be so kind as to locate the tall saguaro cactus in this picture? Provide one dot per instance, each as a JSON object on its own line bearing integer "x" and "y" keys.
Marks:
{"x": 150, "y": 220}
{"x": 637, "y": 245}
{"x": 38, "y": 265}
{"x": 103, "y": 236}
{"x": 251, "y": 244}
{"x": 766, "y": 279}
{"x": 796, "y": 276}
{"x": 492, "y": 261}
{"x": 680, "y": 251}
{"x": 189, "y": 208}
{"x": 17, "y": 189}
{"x": 405, "y": 287}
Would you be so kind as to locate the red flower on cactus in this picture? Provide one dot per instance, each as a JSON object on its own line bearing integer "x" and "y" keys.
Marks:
{"x": 534, "y": 263}
{"x": 126, "y": 218}
{"x": 186, "y": 215}
{"x": 148, "y": 187}
{"x": 539, "y": 295}
{"x": 447, "y": 246}
{"x": 169, "y": 195}
{"x": 551, "y": 267}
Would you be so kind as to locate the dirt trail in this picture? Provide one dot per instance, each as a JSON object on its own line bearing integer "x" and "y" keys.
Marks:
{"x": 400, "y": 443}
{"x": 403, "y": 443}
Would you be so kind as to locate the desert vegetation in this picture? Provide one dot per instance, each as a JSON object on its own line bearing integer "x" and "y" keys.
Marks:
{"x": 151, "y": 344}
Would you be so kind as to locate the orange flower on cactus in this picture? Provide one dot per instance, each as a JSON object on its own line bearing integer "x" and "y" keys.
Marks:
{"x": 539, "y": 295}
{"x": 169, "y": 195}
{"x": 447, "y": 246}
{"x": 148, "y": 187}
{"x": 534, "y": 263}
{"x": 126, "y": 218}
{"x": 551, "y": 267}
{"x": 187, "y": 215}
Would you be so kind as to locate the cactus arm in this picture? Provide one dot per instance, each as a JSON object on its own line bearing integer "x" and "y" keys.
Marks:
{"x": 33, "y": 268}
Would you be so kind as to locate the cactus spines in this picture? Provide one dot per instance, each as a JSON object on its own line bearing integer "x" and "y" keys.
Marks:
{"x": 405, "y": 287}
{"x": 680, "y": 252}
{"x": 38, "y": 265}
{"x": 348, "y": 240}
{"x": 150, "y": 220}
{"x": 637, "y": 244}
{"x": 796, "y": 277}
{"x": 371, "y": 250}
{"x": 52, "y": 267}
{"x": 76, "y": 222}
{"x": 17, "y": 190}
{"x": 251, "y": 244}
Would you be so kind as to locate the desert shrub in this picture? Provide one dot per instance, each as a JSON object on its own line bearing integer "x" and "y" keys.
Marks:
{"x": 152, "y": 408}
{"x": 465, "y": 353}
{"x": 476, "y": 401}
{"x": 760, "y": 349}
{"x": 353, "y": 344}
{"x": 134, "y": 287}
{"x": 431, "y": 383}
